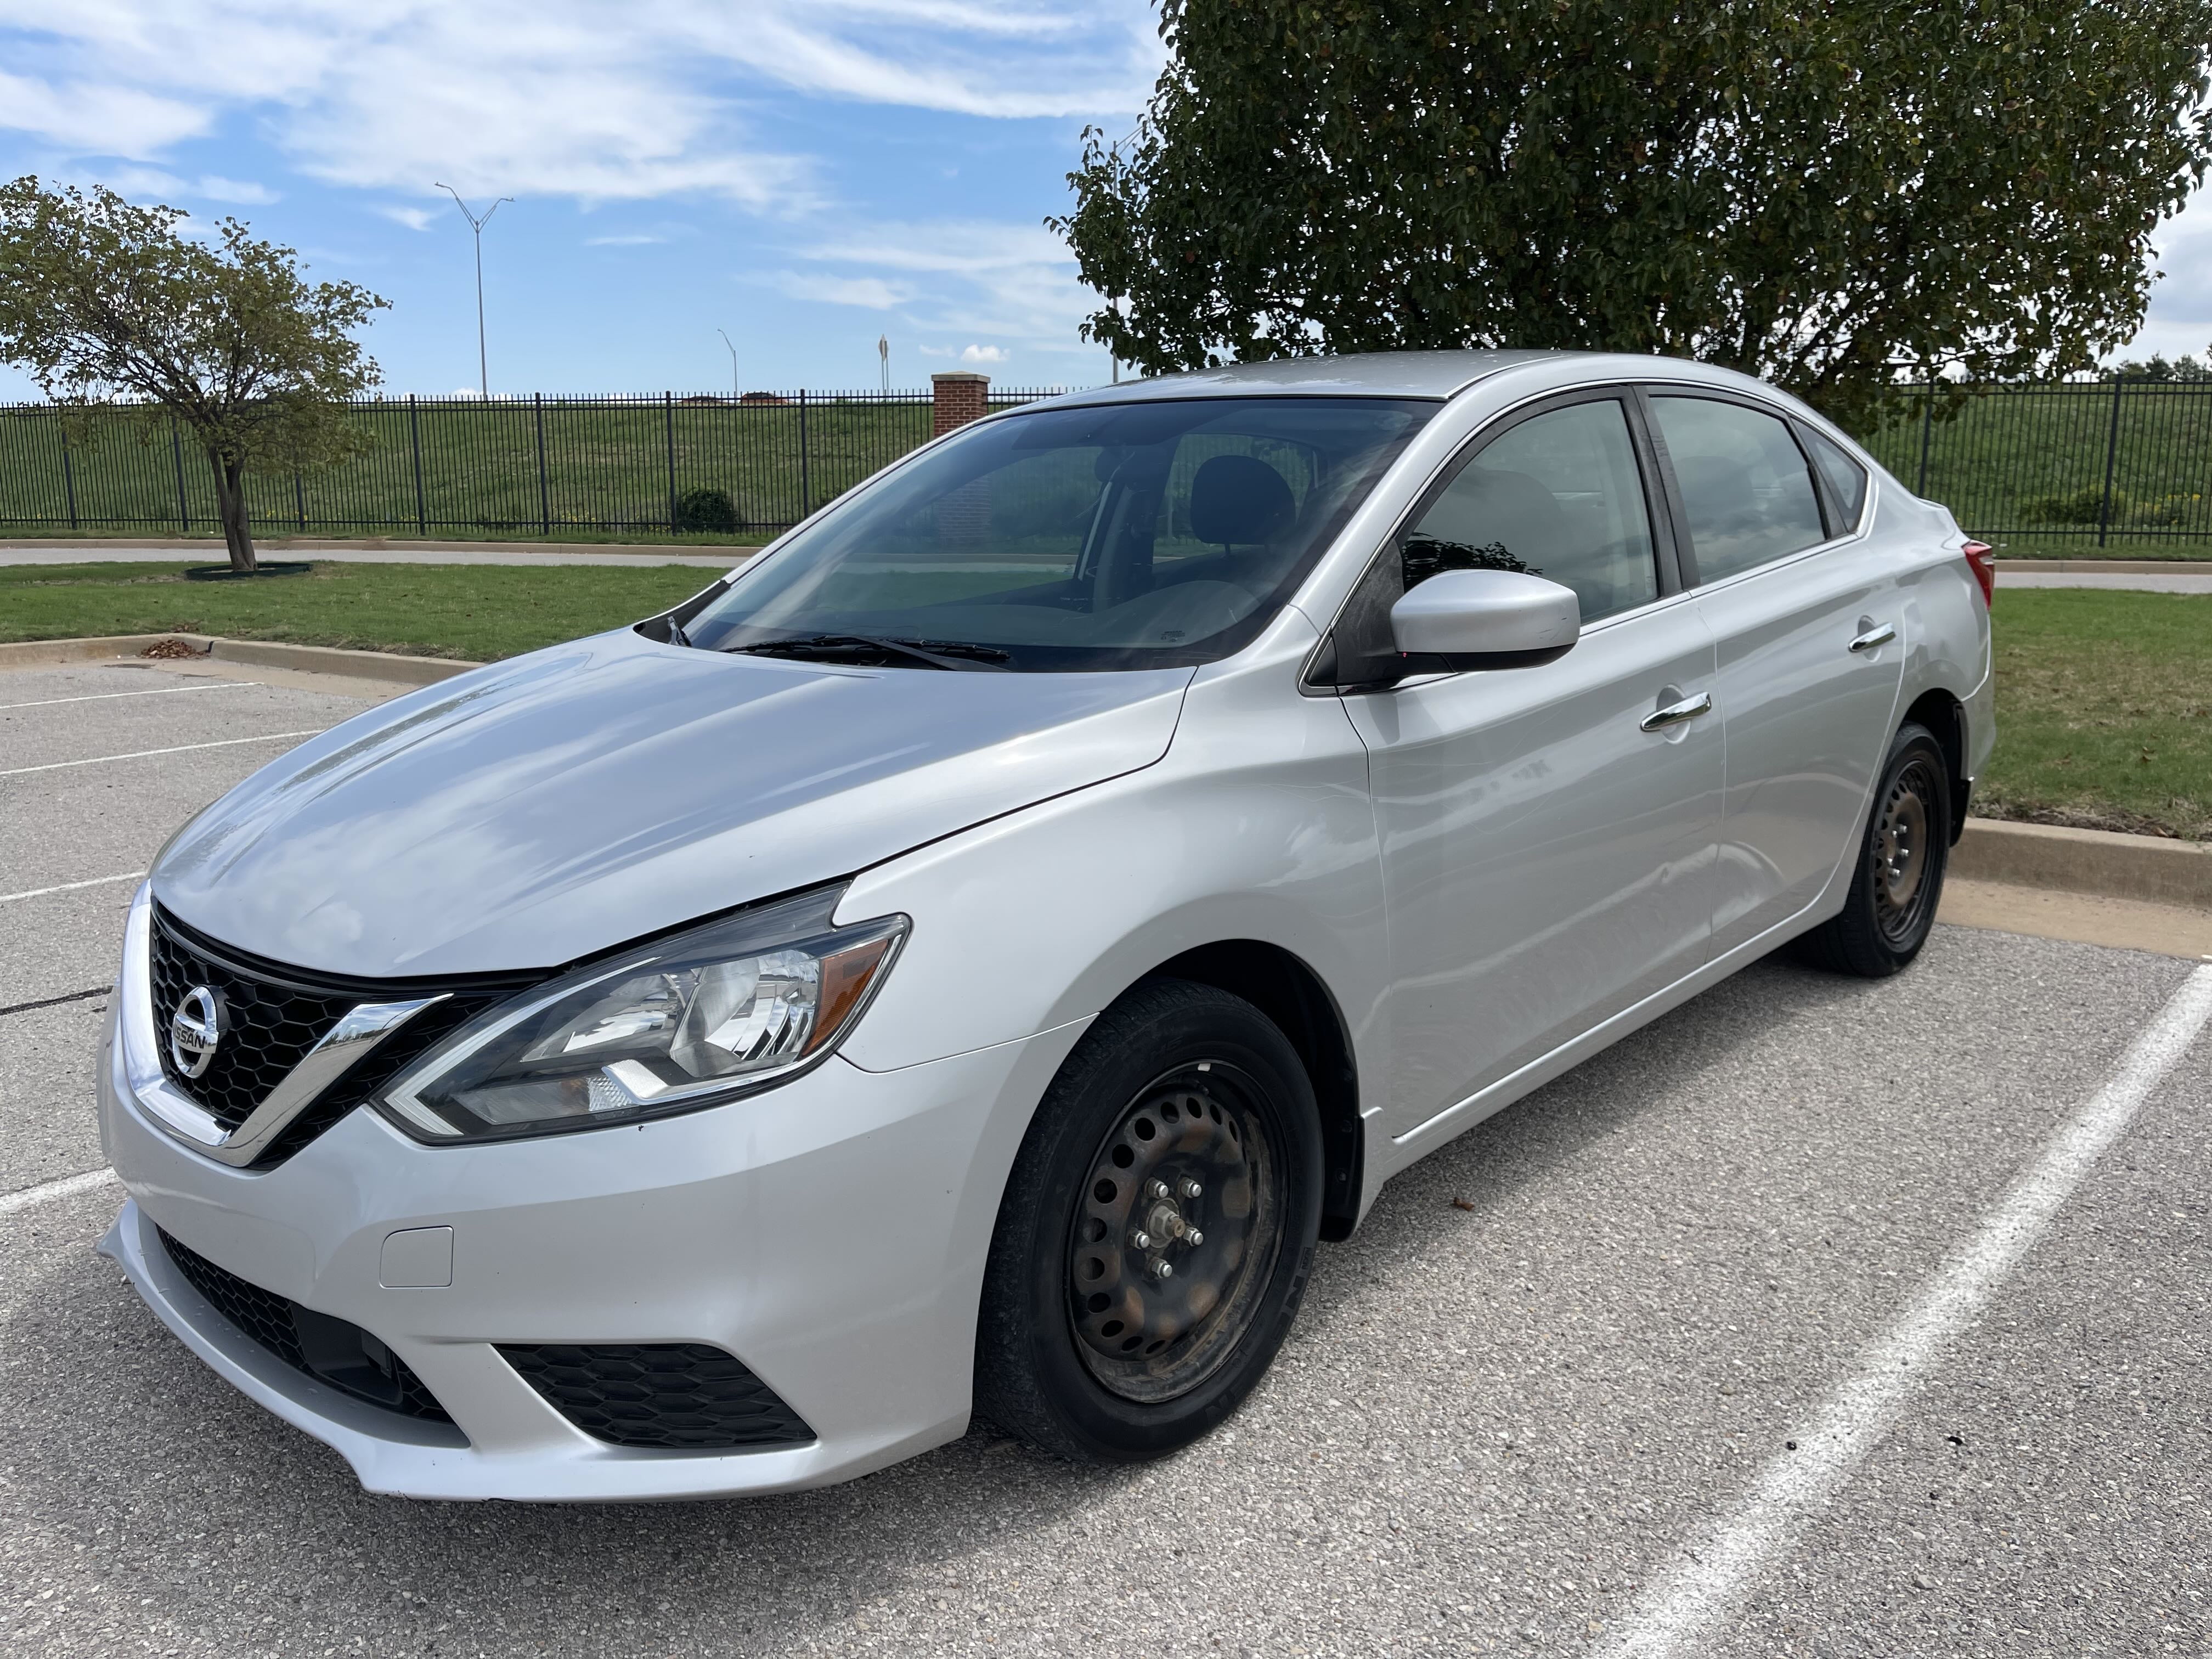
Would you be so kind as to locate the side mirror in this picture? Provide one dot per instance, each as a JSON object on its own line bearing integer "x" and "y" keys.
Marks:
{"x": 1464, "y": 619}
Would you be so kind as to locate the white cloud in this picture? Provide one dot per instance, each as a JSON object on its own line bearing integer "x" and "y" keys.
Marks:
{"x": 966, "y": 277}
{"x": 870, "y": 293}
{"x": 90, "y": 116}
{"x": 983, "y": 354}
{"x": 2180, "y": 323}
{"x": 148, "y": 184}
{"x": 239, "y": 192}
{"x": 574, "y": 98}
{"x": 414, "y": 218}
{"x": 622, "y": 241}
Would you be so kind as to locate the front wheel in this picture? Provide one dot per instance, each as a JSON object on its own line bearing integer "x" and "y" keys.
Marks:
{"x": 1157, "y": 1230}
{"x": 1898, "y": 880}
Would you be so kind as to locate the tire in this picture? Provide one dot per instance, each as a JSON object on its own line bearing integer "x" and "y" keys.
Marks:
{"x": 1898, "y": 879}
{"x": 1081, "y": 1348}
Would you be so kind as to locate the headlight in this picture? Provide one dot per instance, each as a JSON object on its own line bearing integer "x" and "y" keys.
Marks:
{"x": 697, "y": 1018}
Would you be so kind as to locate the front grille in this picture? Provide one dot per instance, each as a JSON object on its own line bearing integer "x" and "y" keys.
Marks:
{"x": 674, "y": 1394}
{"x": 317, "y": 1344}
{"x": 269, "y": 1025}
{"x": 274, "y": 1014}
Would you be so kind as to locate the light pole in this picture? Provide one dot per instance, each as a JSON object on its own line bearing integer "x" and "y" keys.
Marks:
{"x": 883, "y": 357}
{"x": 476, "y": 225}
{"x": 734, "y": 367}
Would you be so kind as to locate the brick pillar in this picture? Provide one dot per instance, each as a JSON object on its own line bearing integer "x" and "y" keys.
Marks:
{"x": 962, "y": 396}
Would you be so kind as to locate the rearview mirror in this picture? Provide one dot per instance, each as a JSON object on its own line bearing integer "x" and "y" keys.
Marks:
{"x": 1468, "y": 619}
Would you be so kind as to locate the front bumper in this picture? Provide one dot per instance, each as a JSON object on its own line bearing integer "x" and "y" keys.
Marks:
{"x": 830, "y": 1234}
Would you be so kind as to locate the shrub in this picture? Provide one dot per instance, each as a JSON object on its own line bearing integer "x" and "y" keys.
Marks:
{"x": 2076, "y": 506}
{"x": 706, "y": 509}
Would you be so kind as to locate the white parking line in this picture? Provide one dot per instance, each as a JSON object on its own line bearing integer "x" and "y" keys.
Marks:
{"x": 70, "y": 886}
{"x": 141, "y": 754}
{"x": 157, "y": 691}
{"x": 1681, "y": 1605}
{"x": 47, "y": 1191}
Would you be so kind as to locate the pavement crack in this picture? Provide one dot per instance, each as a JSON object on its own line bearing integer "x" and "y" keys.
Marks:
{"x": 55, "y": 1002}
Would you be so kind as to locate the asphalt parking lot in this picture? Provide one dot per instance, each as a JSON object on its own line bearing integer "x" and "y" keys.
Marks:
{"x": 1801, "y": 1323}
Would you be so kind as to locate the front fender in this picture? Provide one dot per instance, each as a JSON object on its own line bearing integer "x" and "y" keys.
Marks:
{"x": 1255, "y": 825}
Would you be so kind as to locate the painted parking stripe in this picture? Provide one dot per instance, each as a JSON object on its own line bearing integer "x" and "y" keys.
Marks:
{"x": 141, "y": 754}
{"x": 47, "y": 1192}
{"x": 69, "y": 886}
{"x": 1678, "y": 1608}
{"x": 157, "y": 691}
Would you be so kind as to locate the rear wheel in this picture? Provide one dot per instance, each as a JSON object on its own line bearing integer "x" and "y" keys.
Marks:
{"x": 1898, "y": 880}
{"x": 1156, "y": 1231}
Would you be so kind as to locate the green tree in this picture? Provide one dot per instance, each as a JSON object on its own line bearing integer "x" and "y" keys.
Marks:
{"x": 1825, "y": 196}
{"x": 122, "y": 318}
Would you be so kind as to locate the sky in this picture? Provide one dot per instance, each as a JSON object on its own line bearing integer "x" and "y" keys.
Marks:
{"x": 804, "y": 176}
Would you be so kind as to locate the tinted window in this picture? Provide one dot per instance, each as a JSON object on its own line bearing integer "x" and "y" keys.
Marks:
{"x": 1744, "y": 482}
{"x": 1127, "y": 536}
{"x": 1560, "y": 496}
{"x": 1846, "y": 478}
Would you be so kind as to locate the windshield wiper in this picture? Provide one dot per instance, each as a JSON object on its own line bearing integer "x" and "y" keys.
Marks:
{"x": 960, "y": 655}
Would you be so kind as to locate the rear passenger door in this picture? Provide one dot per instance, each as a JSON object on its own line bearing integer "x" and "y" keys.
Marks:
{"x": 1807, "y": 621}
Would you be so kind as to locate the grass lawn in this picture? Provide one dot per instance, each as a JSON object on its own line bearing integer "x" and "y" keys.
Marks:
{"x": 505, "y": 469}
{"x": 2104, "y": 699}
{"x": 2103, "y": 711}
{"x": 278, "y": 544}
{"x": 472, "y": 611}
{"x": 2084, "y": 547}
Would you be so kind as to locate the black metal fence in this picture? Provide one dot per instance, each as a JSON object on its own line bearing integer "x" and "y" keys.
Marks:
{"x": 2109, "y": 459}
{"x": 2113, "y": 460}
{"x": 525, "y": 465}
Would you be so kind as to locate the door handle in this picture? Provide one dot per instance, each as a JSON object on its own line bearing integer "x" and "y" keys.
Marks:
{"x": 1873, "y": 638}
{"x": 1676, "y": 713}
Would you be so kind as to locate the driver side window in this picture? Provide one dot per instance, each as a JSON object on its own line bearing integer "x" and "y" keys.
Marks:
{"x": 1559, "y": 496}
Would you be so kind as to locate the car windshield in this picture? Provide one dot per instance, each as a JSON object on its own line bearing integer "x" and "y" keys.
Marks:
{"x": 1129, "y": 536}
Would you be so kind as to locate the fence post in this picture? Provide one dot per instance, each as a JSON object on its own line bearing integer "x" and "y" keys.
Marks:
{"x": 300, "y": 499}
{"x": 177, "y": 452}
{"x": 805, "y": 481}
{"x": 415, "y": 442}
{"x": 69, "y": 471}
{"x": 1927, "y": 431}
{"x": 668, "y": 418}
{"x": 2112, "y": 455}
{"x": 545, "y": 500}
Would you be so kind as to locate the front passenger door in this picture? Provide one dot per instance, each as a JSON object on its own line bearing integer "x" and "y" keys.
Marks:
{"x": 1546, "y": 844}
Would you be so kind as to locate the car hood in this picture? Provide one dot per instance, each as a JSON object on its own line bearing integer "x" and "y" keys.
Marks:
{"x": 541, "y": 809}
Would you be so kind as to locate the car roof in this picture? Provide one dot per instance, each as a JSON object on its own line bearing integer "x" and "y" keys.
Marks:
{"x": 1436, "y": 374}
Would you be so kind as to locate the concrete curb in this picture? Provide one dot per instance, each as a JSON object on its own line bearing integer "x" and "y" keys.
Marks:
{"x": 272, "y": 546}
{"x": 388, "y": 666}
{"x": 2142, "y": 867}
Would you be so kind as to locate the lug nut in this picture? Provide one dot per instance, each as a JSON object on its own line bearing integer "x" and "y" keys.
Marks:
{"x": 1163, "y": 1270}
{"x": 1156, "y": 1189}
{"x": 1188, "y": 1189}
{"x": 1140, "y": 1240}
{"x": 1193, "y": 1236}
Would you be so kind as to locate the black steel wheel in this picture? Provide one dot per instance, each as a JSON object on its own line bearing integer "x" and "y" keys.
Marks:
{"x": 1898, "y": 881}
{"x": 1156, "y": 1231}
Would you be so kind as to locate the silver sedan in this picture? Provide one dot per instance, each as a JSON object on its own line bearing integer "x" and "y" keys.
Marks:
{"x": 967, "y": 959}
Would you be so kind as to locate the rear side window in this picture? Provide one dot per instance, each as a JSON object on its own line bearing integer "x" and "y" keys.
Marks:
{"x": 1559, "y": 496}
{"x": 1847, "y": 479}
{"x": 1746, "y": 487}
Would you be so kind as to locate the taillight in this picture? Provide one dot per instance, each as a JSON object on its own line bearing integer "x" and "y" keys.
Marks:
{"x": 1982, "y": 560}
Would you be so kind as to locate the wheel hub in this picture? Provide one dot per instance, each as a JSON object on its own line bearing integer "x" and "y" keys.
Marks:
{"x": 1901, "y": 846}
{"x": 1179, "y": 1211}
